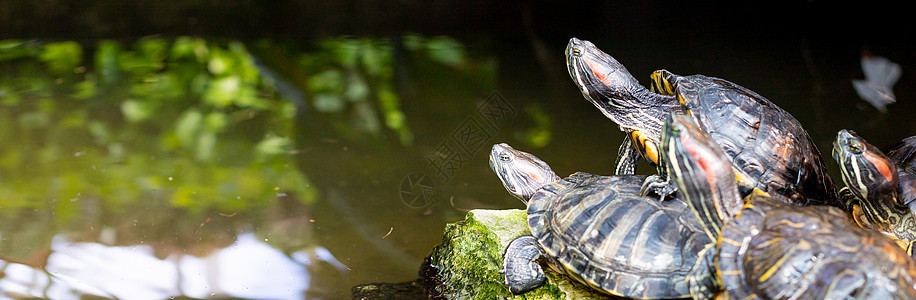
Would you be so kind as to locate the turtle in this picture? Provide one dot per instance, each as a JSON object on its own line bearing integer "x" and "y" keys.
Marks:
{"x": 872, "y": 192}
{"x": 768, "y": 248}
{"x": 903, "y": 154}
{"x": 770, "y": 150}
{"x": 599, "y": 231}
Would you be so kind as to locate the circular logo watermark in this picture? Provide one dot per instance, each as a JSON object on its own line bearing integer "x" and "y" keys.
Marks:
{"x": 417, "y": 190}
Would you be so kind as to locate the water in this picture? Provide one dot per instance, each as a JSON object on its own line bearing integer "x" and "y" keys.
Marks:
{"x": 337, "y": 161}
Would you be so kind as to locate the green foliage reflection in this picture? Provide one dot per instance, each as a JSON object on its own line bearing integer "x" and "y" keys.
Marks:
{"x": 185, "y": 121}
{"x": 182, "y": 128}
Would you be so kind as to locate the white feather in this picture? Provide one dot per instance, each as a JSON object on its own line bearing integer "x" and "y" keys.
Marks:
{"x": 880, "y": 76}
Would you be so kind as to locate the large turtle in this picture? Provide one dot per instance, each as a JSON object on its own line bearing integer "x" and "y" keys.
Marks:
{"x": 770, "y": 150}
{"x": 768, "y": 249}
{"x": 872, "y": 193}
{"x": 599, "y": 231}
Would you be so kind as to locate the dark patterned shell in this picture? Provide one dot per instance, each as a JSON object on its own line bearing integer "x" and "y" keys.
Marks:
{"x": 903, "y": 154}
{"x": 607, "y": 236}
{"x": 767, "y": 145}
{"x": 774, "y": 251}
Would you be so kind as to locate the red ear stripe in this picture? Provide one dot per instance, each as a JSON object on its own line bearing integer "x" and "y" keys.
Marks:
{"x": 882, "y": 166}
{"x": 703, "y": 160}
{"x": 598, "y": 70}
{"x": 531, "y": 172}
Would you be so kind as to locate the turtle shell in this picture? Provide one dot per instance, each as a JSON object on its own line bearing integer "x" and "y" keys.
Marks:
{"x": 903, "y": 154}
{"x": 603, "y": 233}
{"x": 775, "y": 251}
{"x": 767, "y": 146}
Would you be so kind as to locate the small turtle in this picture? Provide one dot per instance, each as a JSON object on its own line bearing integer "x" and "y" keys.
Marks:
{"x": 770, "y": 150}
{"x": 768, "y": 249}
{"x": 600, "y": 231}
{"x": 872, "y": 191}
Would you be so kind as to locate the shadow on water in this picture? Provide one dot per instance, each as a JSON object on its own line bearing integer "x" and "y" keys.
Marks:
{"x": 252, "y": 163}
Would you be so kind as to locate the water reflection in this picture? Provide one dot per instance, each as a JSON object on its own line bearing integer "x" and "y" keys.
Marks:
{"x": 249, "y": 268}
{"x": 137, "y": 163}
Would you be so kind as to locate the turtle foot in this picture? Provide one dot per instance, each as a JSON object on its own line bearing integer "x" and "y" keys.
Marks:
{"x": 520, "y": 265}
{"x": 659, "y": 186}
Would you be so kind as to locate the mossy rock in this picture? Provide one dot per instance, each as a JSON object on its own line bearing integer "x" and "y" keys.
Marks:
{"x": 466, "y": 265}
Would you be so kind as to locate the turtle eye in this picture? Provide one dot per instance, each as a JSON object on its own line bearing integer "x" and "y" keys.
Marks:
{"x": 576, "y": 52}
{"x": 855, "y": 146}
{"x": 504, "y": 157}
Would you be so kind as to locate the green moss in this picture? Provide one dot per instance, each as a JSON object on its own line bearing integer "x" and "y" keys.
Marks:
{"x": 471, "y": 254}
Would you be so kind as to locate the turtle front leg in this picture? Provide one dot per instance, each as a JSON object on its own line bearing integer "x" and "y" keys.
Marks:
{"x": 627, "y": 156}
{"x": 520, "y": 265}
{"x": 848, "y": 199}
{"x": 658, "y": 185}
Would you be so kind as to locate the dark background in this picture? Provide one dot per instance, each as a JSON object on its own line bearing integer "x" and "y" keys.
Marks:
{"x": 872, "y": 22}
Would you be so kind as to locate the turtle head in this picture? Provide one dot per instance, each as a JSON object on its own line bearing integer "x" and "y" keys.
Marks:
{"x": 608, "y": 85}
{"x": 521, "y": 173}
{"x": 867, "y": 172}
{"x": 602, "y": 79}
{"x": 701, "y": 170}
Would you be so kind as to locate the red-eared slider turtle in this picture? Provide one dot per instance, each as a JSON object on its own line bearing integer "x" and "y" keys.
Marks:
{"x": 770, "y": 150}
{"x": 903, "y": 154}
{"x": 769, "y": 249}
{"x": 599, "y": 231}
{"x": 872, "y": 192}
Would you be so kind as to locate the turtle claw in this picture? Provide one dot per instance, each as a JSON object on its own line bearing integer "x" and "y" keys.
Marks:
{"x": 911, "y": 249}
{"x": 657, "y": 185}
